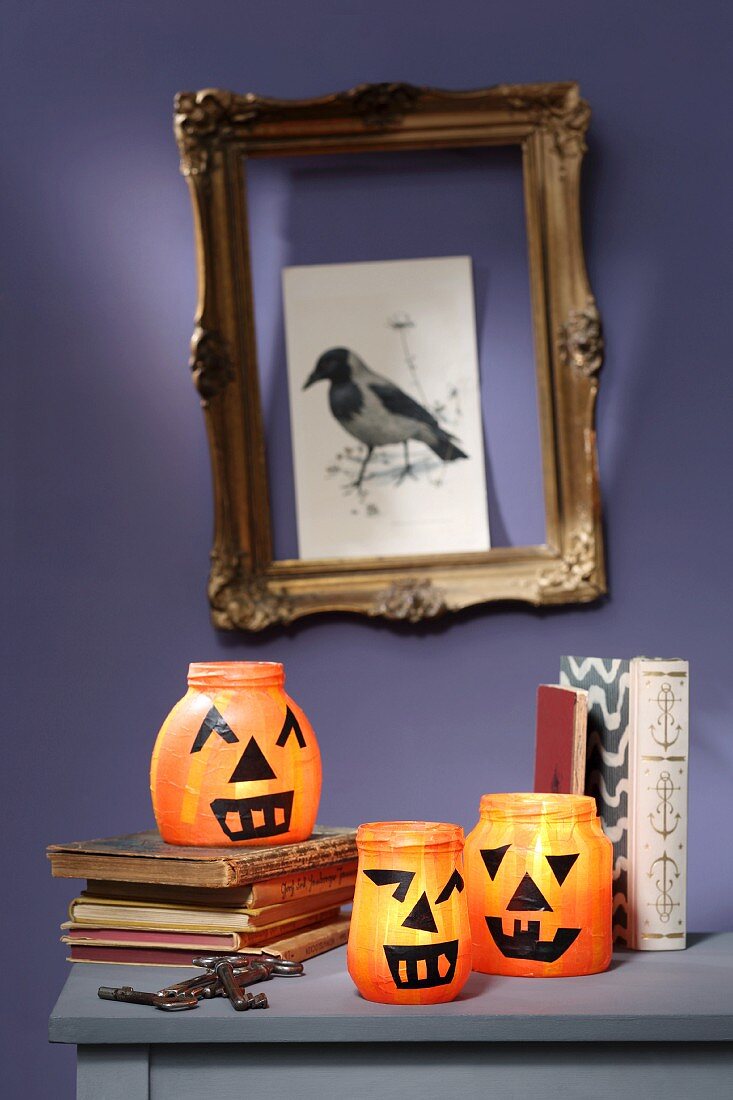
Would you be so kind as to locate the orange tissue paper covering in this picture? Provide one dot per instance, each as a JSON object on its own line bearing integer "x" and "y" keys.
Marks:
{"x": 539, "y": 885}
{"x": 409, "y": 941}
{"x": 236, "y": 761}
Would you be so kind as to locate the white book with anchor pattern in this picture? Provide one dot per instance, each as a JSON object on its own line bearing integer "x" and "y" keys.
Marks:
{"x": 659, "y": 702}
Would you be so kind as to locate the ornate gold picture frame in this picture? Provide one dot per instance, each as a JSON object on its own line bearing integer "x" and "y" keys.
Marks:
{"x": 217, "y": 132}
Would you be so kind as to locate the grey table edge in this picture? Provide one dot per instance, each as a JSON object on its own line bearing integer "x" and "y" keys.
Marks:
{"x": 658, "y": 1023}
{"x": 684, "y": 996}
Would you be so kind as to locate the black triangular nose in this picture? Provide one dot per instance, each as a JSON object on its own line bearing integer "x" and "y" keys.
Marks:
{"x": 529, "y": 896}
{"x": 421, "y": 917}
{"x": 252, "y": 765}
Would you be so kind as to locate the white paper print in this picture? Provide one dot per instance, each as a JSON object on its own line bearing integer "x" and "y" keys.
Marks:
{"x": 385, "y": 408}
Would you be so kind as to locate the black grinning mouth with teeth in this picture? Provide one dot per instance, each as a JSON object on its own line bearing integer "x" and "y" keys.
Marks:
{"x": 420, "y": 967}
{"x": 527, "y": 944}
{"x": 260, "y": 816}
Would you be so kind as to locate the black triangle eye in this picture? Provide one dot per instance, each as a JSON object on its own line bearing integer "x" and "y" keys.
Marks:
{"x": 252, "y": 765}
{"x": 401, "y": 879}
{"x": 561, "y": 866}
{"x": 455, "y": 882}
{"x": 213, "y": 723}
{"x": 492, "y": 857}
{"x": 290, "y": 725}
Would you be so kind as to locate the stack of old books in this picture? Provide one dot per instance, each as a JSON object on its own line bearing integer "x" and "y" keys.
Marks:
{"x": 150, "y": 902}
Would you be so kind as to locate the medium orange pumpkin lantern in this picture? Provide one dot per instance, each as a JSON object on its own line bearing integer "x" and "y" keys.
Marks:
{"x": 409, "y": 940}
{"x": 236, "y": 761}
{"x": 539, "y": 884}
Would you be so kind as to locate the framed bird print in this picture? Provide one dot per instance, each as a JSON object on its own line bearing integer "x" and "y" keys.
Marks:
{"x": 388, "y": 452}
{"x": 396, "y": 349}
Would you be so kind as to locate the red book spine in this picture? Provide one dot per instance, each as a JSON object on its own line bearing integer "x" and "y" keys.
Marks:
{"x": 560, "y": 743}
{"x": 150, "y": 956}
{"x": 134, "y": 937}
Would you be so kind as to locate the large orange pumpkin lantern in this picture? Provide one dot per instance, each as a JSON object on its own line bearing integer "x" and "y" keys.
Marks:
{"x": 539, "y": 884}
{"x": 409, "y": 940}
{"x": 236, "y": 761}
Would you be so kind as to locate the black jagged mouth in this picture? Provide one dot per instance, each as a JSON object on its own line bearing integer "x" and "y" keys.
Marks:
{"x": 250, "y": 818}
{"x": 422, "y": 967}
{"x": 526, "y": 944}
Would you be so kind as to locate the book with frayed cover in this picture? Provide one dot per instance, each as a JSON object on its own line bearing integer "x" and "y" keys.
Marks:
{"x": 144, "y": 857}
{"x": 297, "y": 946}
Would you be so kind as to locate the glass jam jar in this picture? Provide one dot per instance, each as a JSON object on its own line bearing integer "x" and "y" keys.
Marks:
{"x": 236, "y": 761}
{"x": 539, "y": 884}
{"x": 409, "y": 941}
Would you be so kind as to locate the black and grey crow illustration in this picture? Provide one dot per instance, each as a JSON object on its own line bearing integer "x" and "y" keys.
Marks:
{"x": 377, "y": 412}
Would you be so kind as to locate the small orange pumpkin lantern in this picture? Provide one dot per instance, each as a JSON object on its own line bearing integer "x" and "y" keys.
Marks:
{"x": 539, "y": 884}
{"x": 236, "y": 761}
{"x": 409, "y": 940}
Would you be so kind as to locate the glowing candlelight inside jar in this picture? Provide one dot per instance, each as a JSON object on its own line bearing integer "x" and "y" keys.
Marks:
{"x": 539, "y": 883}
{"x": 409, "y": 941}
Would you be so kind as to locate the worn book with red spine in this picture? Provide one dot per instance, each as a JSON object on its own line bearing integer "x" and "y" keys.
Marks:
{"x": 562, "y": 728}
{"x": 298, "y": 946}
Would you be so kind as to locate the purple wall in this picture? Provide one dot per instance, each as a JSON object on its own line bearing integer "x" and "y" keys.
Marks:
{"x": 110, "y": 496}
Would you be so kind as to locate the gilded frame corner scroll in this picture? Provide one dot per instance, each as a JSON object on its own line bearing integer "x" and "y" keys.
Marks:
{"x": 216, "y": 131}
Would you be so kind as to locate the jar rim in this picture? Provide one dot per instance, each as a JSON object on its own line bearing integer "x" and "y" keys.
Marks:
{"x": 235, "y": 673}
{"x": 535, "y": 804}
{"x": 409, "y": 834}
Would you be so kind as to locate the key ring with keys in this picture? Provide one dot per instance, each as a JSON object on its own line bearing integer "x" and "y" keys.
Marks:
{"x": 225, "y": 975}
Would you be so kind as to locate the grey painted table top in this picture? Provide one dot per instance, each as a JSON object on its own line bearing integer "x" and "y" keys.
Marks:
{"x": 644, "y": 997}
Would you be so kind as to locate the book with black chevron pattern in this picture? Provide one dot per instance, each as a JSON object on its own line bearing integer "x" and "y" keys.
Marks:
{"x": 606, "y": 681}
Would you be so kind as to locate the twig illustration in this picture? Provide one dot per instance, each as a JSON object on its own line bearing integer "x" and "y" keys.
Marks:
{"x": 401, "y": 322}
